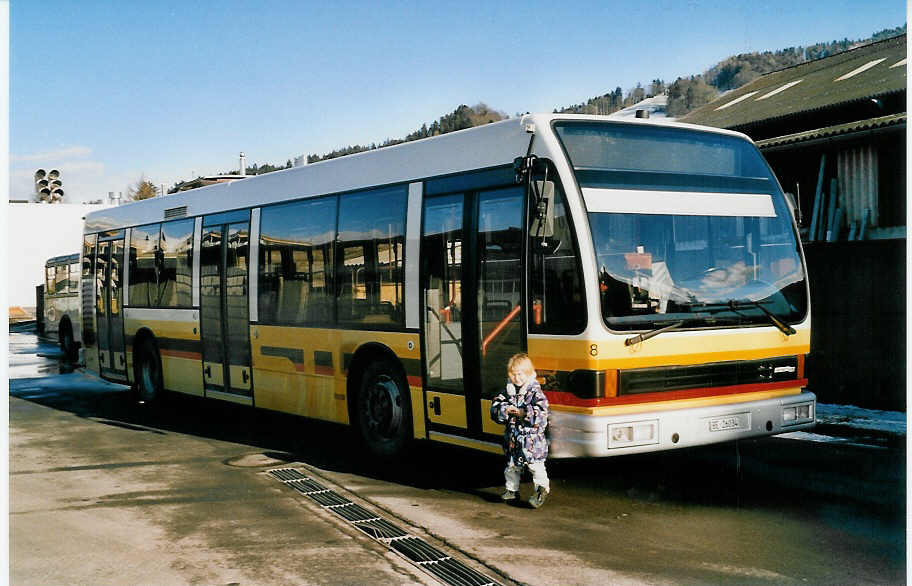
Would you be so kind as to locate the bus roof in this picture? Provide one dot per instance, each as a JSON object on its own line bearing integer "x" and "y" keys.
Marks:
{"x": 65, "y": 259}
{"x": 480, "y": 147}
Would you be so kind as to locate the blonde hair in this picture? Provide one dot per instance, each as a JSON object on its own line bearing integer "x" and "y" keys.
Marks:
{"x": 520, "y": 361}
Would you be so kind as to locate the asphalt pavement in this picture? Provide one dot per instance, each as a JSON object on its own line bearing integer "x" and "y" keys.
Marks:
{"x": 103, "y": 491}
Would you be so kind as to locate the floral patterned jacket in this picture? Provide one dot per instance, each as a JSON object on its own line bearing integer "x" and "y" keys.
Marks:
{"x": 524, "y": 437}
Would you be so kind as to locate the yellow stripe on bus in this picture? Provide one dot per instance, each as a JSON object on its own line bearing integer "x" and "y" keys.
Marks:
{"x": 667, "y": 349}
{"x": 466, "y": 442}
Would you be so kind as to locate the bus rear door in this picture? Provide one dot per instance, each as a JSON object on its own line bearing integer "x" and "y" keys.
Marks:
{"x": 225, "y": 325}
{"x": 108, "y": 305}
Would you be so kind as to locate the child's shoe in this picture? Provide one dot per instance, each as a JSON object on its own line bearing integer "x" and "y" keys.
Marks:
{"x": 509, "y": 495}
{"x": 538, "y": 497}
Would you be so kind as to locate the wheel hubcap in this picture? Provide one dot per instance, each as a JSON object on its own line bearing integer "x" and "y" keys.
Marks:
{"x": 148, "y": 381}
{"x": 384, "y": 407}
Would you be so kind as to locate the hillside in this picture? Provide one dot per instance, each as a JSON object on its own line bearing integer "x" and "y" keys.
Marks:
{"x": 684, "y": 94}
{"x": 688, "y": 93}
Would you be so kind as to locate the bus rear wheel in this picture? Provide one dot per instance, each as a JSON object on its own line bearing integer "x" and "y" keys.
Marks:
{"x": 148, "y": 386}
{"x": 383, "y": 410}
{"x": 67, "y": 344}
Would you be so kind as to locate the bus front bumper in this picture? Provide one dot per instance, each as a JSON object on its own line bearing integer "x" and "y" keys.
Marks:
{"x": 575, "y": 435}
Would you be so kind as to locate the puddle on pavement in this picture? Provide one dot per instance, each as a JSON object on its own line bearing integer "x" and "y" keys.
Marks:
{"x": 259, "y": 460}
{"x": 34, "y": 357}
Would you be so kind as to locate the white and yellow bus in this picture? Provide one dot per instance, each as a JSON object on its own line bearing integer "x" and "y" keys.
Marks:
{"x": 652, "y": 271}
{"x": 60, "y": 302}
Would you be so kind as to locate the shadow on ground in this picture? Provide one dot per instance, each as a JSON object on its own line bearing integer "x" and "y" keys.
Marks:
{"x": 764, "y": 472}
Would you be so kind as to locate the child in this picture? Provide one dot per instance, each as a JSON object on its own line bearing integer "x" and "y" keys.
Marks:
{"x": 523, "y": 408}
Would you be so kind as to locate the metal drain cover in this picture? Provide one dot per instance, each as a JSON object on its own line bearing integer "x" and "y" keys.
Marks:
{"x": 420, "y": 553}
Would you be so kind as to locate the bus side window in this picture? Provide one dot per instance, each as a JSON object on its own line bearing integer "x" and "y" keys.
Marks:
{"x": 60, "y": 280}
{"x": 296, "y": 262}
{"x": 371, "y": 256}
{"x": 73, "y": 281}
{"x": 144, "y": 242}
{"x": 49, "y": 280}
{"x": 174, "y": 264}
{"x": 556, "y": 299}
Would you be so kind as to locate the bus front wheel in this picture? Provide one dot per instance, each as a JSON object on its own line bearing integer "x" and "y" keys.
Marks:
{"x": 148, "y": 373}
{"x": 383, "y": 411}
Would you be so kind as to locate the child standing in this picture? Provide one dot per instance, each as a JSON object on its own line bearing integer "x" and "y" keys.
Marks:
{"x": 523, "y": 408}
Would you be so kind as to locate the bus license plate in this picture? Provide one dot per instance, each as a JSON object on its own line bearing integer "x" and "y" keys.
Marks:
{"x": 725, "y": 423}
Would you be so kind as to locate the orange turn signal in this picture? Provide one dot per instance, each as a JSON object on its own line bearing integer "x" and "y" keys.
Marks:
{"x": 611, "y": 383}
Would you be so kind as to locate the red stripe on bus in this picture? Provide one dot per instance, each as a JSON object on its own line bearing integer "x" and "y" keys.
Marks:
{"x": 324, "y": 370}
{"x": 181, "y": 354}
{"x": 571, "y": 400}
{"x": 414, "y": 381}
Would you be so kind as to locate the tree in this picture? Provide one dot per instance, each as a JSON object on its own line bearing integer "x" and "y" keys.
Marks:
{"x": 685, "y": 95}
{"x": 656, "y": 88}
{"x": 143, "y": 189}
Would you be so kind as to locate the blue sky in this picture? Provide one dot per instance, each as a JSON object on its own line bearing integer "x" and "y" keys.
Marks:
{"x": 109, "y": 92}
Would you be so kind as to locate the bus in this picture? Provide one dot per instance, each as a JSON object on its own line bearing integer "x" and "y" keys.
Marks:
{"x": 60, "y": 315}
{"x": 651, "y": 269}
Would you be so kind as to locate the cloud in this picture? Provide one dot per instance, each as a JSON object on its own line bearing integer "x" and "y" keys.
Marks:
{"x": 83, "y": 177}
{"x": 53, "y": 156}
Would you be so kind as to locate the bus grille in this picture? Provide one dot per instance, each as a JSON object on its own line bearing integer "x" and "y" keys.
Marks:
{"x": 718, "y": 374}
{"x": 178, "y": 212}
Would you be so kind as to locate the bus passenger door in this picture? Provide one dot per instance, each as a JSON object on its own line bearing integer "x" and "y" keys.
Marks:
{"x": 225, "y": 326}
{"x": 500, "y": 314}
{"x": 442, "y": 256}
{"x": 109, "y": 313}
{"x": 472, "y": 283}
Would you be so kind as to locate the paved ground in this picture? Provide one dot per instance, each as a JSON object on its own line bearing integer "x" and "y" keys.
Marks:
{"x": 103, "y": 492}
{"x": 95, "y": 500}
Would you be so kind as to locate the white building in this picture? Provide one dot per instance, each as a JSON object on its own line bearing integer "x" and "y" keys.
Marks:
{"x": 35, "y": 233}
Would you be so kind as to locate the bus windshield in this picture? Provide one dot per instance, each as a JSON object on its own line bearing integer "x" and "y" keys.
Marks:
{"x": 688, "y": 226}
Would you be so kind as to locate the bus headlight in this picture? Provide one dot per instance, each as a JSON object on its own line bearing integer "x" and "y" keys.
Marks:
{"x": 794, "y": 414}
{"x": 636, "y": 433}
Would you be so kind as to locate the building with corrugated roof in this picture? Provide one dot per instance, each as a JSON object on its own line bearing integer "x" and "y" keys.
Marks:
{"x": 834, "y": 131}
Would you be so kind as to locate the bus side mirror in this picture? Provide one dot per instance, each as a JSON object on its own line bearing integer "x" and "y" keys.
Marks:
{"x": 543, "y": 218}
{"x": 793, "y": 204}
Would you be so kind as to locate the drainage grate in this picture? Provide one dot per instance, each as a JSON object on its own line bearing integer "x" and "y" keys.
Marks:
{"x": 414, "y": 549}
{"x": 305, "y": 485}
{"x": 328, "y": 498}
{"x": 454, "y": 572}
{"x": 286, "y": 474}
{"x": 380, "y": 528}
{"x": 353, "y": 513}
{"x": 417, "y": 550}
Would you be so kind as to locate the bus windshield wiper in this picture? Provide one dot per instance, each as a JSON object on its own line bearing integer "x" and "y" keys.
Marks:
{"x": 735, "y": 304}
{"x": 646, "y": 335}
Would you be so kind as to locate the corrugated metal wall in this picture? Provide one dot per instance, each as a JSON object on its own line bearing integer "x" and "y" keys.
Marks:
{"x": 857, "y": 176}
